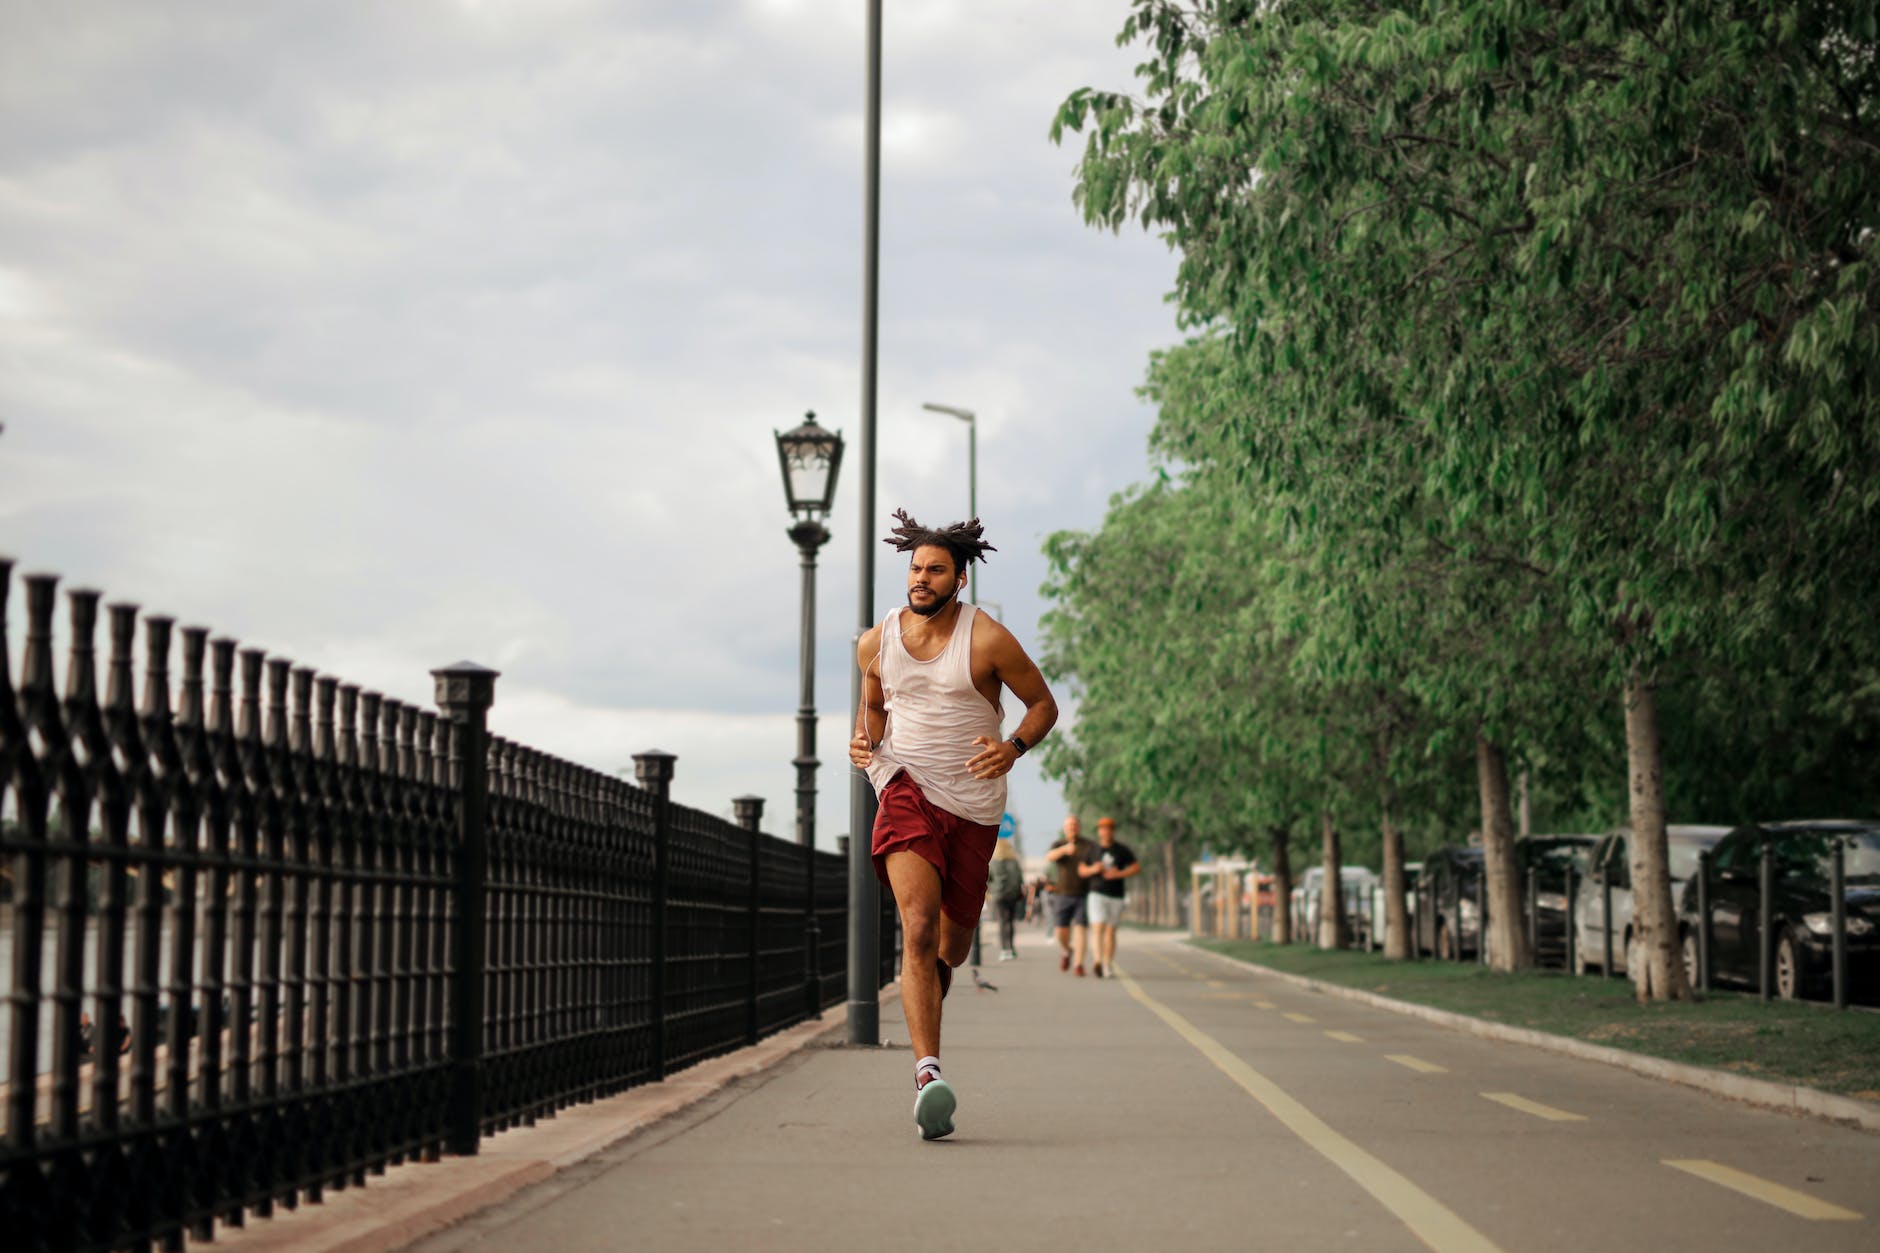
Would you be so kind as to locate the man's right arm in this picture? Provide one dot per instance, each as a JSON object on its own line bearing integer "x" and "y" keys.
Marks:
{"x": 871, "y": 720}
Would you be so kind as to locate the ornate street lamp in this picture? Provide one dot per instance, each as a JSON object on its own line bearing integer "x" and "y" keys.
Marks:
{"x": 810, "y": 457}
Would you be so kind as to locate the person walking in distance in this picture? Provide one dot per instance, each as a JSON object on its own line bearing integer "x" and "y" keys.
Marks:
{"x": 1107, "y": 866}
{"x": 1068, "y": 893}
{"x": 1005, "y": 888}
{"x": 929, "y": 735}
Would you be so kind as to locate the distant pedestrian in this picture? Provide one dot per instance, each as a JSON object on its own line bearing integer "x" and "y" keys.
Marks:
{"x": 1005, "y": 888}
{"x": 1107, "y": 868}
{"x": 928, "y": 734}
{"x": 1068, "y": 891}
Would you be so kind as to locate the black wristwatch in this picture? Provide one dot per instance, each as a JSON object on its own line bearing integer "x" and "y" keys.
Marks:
{"x": 1019, "y": 744}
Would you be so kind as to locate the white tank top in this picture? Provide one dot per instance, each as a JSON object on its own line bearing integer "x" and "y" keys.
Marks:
{"x": 934, "y": 713}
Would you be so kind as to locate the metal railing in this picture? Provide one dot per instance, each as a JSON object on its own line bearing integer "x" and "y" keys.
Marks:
{"x": 270, "y": 932}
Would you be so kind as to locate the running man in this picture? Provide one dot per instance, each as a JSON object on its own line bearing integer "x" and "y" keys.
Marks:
{"x": 1070, "y": 917}
{"x": 928, "y": 734}
{"x": 1107, "y": 867}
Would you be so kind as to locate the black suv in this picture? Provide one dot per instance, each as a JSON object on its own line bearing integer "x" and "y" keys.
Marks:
{"x": 1448, "y": 924}
{"x": 1802, "y": 928}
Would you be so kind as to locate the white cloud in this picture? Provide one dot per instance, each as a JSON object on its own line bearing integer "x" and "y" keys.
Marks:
{"x": 388, "y": 335}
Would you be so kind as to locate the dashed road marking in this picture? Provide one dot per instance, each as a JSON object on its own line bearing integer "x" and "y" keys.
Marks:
{"x": 1300, "y": 1017}
{"x": 1533, "y": 1107}
{"x": 1417, "y": 1064}
{"x": 1265, "y": 1005}
{"x": 1433, "y": 1222}
{"x": 1798, "y": 1203}
{"x": 1345, "y": 1037}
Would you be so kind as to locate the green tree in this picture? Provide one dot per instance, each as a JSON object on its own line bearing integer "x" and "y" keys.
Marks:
{"x": 1600, "y": 276}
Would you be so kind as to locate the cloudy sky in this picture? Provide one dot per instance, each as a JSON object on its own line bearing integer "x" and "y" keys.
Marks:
{"x": 384, "y": 335}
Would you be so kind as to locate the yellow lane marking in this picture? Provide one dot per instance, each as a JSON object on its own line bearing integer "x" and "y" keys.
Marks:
{"x": 1433, "y": 1222}
{"x": 1533, "y": 1107}
{"x": 1299, "y": 1017}
{"x": 1265, "y": 1005}
{"x": 1417, "y": 1063}
{"x": 1216, "y": 983}
{"x": 1798, "y": 1203}
{"x": 1345, "y": 1036}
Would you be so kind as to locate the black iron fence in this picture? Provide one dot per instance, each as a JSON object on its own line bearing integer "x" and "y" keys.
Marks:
{"x": 270, "y": 932}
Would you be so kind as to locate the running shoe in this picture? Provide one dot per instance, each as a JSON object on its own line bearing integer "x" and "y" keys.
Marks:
{"x": 933, "y": 1109}
{"x": 1080, "y": 970}
{"x": 1099, "y": 970}
{"x": 1064, "y": 961}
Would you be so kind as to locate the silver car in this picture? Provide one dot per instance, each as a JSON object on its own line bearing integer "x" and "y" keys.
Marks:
{"x": 1612, "y": 855}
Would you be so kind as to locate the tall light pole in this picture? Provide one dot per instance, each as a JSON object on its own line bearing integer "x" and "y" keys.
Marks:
{"x": 972, "y": 511}
{"x": 864, "y": 895}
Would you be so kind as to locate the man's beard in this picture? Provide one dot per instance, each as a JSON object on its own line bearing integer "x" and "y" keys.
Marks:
{"x": 939, "y": 603}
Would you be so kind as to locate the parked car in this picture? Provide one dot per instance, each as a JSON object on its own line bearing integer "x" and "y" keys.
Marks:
{"x": 1801, "y": 926}
{"x": 1448, "y": 920}
{"x": 1378, "y": 914}
{"x": 1550, "y": 856}
{"x": 1358, "y": 883}
{"x": 1612, "y": 858}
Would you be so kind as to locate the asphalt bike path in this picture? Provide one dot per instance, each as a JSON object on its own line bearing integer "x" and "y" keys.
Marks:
{"x": 1199, "y": 1103}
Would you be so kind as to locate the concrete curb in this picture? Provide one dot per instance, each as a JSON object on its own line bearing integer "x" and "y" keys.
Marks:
{"x": 416, "y": 1199}
{"x": 1785, "y": 1098}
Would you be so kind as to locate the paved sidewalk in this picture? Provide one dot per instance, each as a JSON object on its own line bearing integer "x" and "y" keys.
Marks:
{"x": 1192, "y": 1104}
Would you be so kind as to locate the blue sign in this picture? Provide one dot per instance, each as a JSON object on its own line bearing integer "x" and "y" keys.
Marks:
{"x": 1008, "y": 826}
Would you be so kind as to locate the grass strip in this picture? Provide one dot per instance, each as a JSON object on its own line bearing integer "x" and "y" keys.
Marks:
{"x": 1783, "y": 1041}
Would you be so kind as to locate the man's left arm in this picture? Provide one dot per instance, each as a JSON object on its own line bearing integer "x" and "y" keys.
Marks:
{"x": 1013, "y": 669}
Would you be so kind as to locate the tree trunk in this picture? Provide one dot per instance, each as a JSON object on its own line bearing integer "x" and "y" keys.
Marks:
{"x": 1506, "y": 935}
{"x": 1396, "y": 916}
{"x": 1660, "y": 976}
{"x": 1282, "y": 885}
{"x": 1332, "y": 890}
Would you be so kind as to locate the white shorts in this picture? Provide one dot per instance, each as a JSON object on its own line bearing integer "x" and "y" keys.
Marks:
{"x": 1105, "y": 911}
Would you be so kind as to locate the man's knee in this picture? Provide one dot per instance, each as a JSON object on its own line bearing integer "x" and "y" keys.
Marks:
{"x": 920, "y": 935}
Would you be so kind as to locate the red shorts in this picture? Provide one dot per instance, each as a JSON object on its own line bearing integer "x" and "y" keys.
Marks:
{"x": 907, "y": 822}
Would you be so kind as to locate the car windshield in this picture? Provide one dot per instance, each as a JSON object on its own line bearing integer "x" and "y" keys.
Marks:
{"x": 1810, "y": 854}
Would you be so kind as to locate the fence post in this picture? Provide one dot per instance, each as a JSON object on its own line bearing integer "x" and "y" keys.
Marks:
{"x": 1837, "y": 884}
{"x": 750, "y": 812}
{"x": 464, "y": 694}
{"x": 1765, "y": 940}
{"x": 1703, "y": 921}
{"x": 653, "y": 770}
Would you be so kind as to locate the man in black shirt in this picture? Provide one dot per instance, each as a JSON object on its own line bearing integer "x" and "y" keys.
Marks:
{"x": 1106, "y": 867}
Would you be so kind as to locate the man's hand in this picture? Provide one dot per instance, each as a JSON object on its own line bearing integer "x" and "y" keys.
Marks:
{"x": 860, "y": 754}
{"x": 996, "y": 758}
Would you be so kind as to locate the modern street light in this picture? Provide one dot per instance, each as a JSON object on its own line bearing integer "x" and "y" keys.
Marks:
{"x": 972, "y": 511}
{"x": 810, "y": 457}
{"x": 864, "y": 895}
{"x": 972, "y": 468}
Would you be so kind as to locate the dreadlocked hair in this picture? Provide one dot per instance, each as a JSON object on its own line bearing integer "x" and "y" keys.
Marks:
{"x": 964, "y": 540}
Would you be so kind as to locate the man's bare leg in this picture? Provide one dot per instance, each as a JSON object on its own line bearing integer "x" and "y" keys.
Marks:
{"x": 916, "y": 887}
{"x": 1106, "y": 944}
{"x": 1080, "y": 940}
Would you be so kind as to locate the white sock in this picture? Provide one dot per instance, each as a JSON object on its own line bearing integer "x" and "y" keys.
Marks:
{"x": 924, "y": 1065}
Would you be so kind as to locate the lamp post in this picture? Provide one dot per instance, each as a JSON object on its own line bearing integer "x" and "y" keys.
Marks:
{"x": 972, "y": 511}
{"x": 972, "y": 467}
{"x": 810, "y": 457}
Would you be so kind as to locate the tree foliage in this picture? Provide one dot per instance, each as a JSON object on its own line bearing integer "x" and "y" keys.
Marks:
{"x": 1532, "y": 366}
